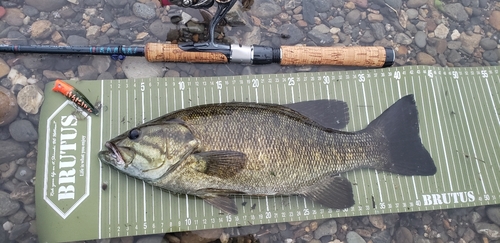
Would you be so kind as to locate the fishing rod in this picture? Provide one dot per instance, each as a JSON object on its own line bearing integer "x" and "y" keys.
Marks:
{"x": 212, "y": 52}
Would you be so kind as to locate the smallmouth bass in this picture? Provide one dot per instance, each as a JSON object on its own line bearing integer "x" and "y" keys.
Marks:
{"x": 217, "y": 150}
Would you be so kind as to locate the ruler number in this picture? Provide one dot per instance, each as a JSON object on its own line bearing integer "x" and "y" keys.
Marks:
{"x": 268, "y": 215}
{"x": 182, "y": 86}
{"x": 397, "y": 75}
{"x": 255, "y": 83}
{"x": 188, "y": 221}
{"x": 484, "y": 74}
{"x": 291, "y": 81}
{"x": 219, "y": 84}
{"x": 326, "y": 79}
{"x": 143, "y": 87}
{"x": 455, "y": 74}
{"x": 430, "y": 73}
{"x": 361, "y": 77}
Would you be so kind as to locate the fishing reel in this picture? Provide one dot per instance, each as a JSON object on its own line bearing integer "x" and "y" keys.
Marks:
{"x": 223, "y": 6}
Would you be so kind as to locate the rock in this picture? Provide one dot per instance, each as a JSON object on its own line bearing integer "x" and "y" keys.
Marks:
{"x": 23, "y": 131}
{"x": 138, "y": 67}
{"x": 489, "y": 230}
{"x": 441, "y": 31}
{"x": 425, "y": 59}
{"x": 4, "y": 68}
{"x": 456, "y": 11}
{"x": 46, "y": 5}
{"x": 164, "y": 31}
{"x": 338, "y": 21}
{"x": 319, "y": 38}
{"x": 87, "y": 72}
{"x": 412, "y": 13}
{"x": 7, "y": 205}
{"x": 8, "y": 106}
{"x": 41, "y": 29}
{"x": 75, "y": 40}
{"x": 378, "y": 30}
{"x": 490, "y": 55}
{"x": 253, "y": 37}
{"x": 493, "y": 214}
{"x": 382, "y": 237}
{"x": 353, "y": 237}
{"x": 53, "y": 75}
{"x": 361, "y": 3}
{"x": 495, "y": 20}
{"x": 93, "y": 32}
{"x": 265, "y": 8}
{"x": 377, "y": 221}
{"x": 9, "y": 172}
{"x": 367, "y": 37}
{"x": 403, "y": 235}
{"x": 14, "y": 17}
{"x": 416, "y": 3}
{"x": 10, "y": 150}
{"x": 30, "y": 209}
{"x": 117, "y": 3}
{"x": 18, "y": 217}
{"x": 101, "y": 63}
{"x": 30, "y": 98}
{"x": 455, "y": 35}
{"x": 23, "y": 193}
{"x": 143, "y": 11}
{"x": 468, "y": 235}
{"x": 327, "y": 228}
{"x": 17, "y": 77}
{"x": 126, "y": 22}
{"x": 201, "y": 236}
{"x": 249, "y": 230}
{"x": 296, "y": 34}
{"x": 470, "y": 42}
{"x": 488, "y": 44}
{"x": 24, "y": 173}
{"x": 19, "y": 230}
{"x": 372, "y": 17}
{"x": 403, "y": 39}
{"x": 353, "y": 17}
{"x": 322, "y": 6}
{"x": 420, "y": 39}
{"x": 395, "y": 4}
{"x": 30, "y": 10}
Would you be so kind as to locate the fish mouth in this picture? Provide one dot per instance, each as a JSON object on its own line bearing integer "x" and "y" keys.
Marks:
{"x": 112, "y": 156}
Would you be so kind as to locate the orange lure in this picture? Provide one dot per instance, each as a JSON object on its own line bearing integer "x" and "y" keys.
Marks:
{"x": 74, "y": 95}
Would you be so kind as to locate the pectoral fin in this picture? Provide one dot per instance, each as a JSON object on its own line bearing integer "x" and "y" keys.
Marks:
{"x": 225, "y": 204}
{"x": 222, "y": 164}
{"x": 335, "y": 192}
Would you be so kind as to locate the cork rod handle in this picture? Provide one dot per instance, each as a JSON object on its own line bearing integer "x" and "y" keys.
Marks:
{"x": 364, "y": 56}
{"x": 157, "y": 52}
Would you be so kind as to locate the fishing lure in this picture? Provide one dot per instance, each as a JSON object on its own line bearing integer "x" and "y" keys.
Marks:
{"x": 74, "y": 95}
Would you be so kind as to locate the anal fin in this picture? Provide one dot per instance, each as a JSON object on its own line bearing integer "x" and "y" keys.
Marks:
{"x": 336, "y": 192}
{"x": 225, "y": 204}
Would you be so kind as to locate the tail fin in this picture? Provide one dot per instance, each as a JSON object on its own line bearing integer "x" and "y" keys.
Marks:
{"x": 398, "y": 125}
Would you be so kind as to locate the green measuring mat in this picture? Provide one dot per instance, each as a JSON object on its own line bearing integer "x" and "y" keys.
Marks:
{"x": 78, "y": 198}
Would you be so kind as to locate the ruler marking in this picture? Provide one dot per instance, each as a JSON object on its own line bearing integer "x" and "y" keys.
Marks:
{"x": 441, "y": 134}
{"x": 472, "y": 141}
{"x": 494, "y": 127}
{"x": 469, "y": 131}
{"x": 481, "y": 156}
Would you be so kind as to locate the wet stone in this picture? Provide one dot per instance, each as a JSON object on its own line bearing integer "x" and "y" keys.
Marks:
{"x": 19, "y": 230}
{"x": 18, "y": 217}
{"x": 493, "y": 214}
{"x": 87, "y": 72}
{"x": 296, "y": 34}
{"x": 420, "y": 39}
{"x": 320, "y": 38}
{"x": 490, "y": 55}
{"x": 143, "y": 11}
{"x": 23, "y": 193}
{"x": 456, "y": 11}
{"x": 353, "y": 237}
{"x": 489, "y": 230}
{"x": 30, "y": 98}
{"x": 24, "y": 173}
{"x": 7, "y": 205}
{"x": 23, "y": 131}
{"x": 327, "y": 228}
{"x": 75, "y": 40}
{"x": 30, "y": 210}
{"x": 381, "y": 237}
{"x": 11, "y": 150}
{"x": 265, "y": 8}
{"x": 8, "y": 106}
{"x": 488, "y": 44}
{"x": 46, "y": 5}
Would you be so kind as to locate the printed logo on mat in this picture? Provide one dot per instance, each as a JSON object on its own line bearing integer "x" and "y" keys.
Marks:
{"x": 67, "y": 160}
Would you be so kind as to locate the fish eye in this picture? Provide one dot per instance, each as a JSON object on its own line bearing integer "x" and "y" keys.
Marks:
{"x": 134, "y": 134}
